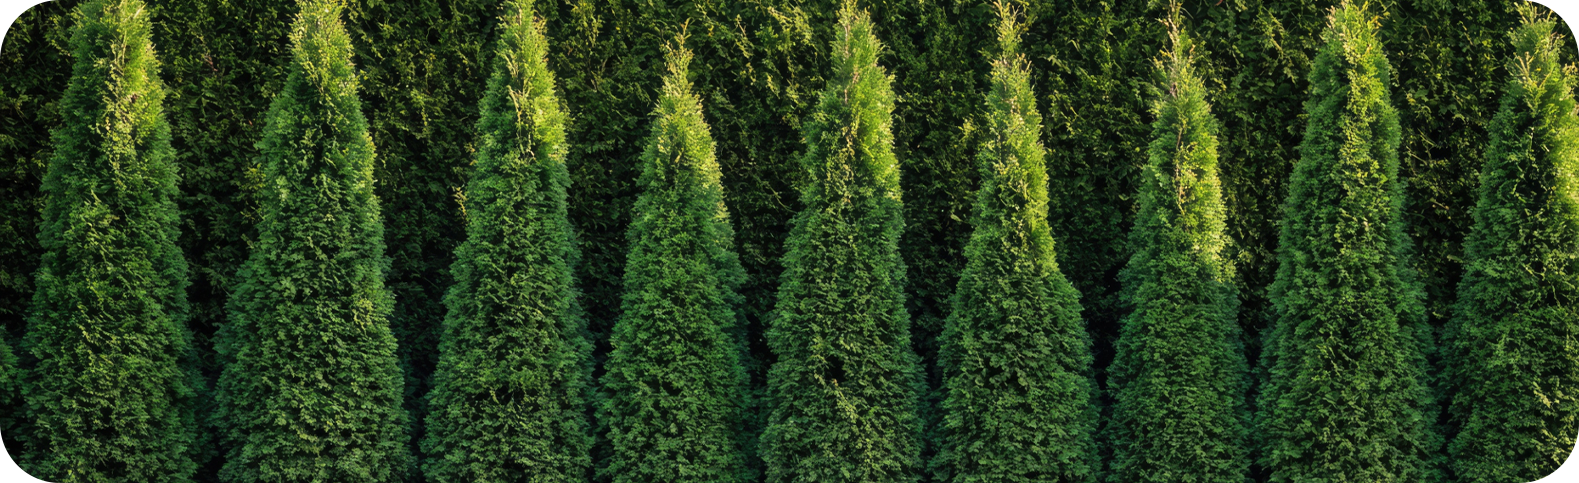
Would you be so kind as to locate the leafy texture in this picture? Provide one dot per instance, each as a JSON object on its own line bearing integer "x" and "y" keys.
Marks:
{"x": 109, "y": 394}
{"x": 509, "y": 397}
{"x": 10, "y": 419}
{"x": 1346, "y": 396}
{"x": 1015, "y": 355}
{"x": 674, "y": 382}
{"x": 424, "y": 66}
{"x": 1179, "y": 372}
{"x": 310, "y": 389}
{"x": 844, "y": 388}
{"x": 1510, "y": 356}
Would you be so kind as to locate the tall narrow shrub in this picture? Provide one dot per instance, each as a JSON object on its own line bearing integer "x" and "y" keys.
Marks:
{"x": 1510, "y": 342}
{"x": 1018, "y": 396}
{"x": 843, "y": 390}
{"x": 108, "y": 396}
{"x": 674, "y": 382}
{"x": 1345, "y": 397}
{"x": 310, "y": 389}
{"x": 509, "y": 397}
{"x": 1178, "y": 375}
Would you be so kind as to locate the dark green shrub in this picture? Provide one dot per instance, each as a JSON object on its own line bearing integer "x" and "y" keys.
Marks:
{"x": 1345, "y": 396}
{"x": 1179, "y": 373}
{"x": 310, "y": 388}
{"x": 844, "y": 389}
{"x": 509, "y": 397}
{"x": 10, "y": 414}
{"x": 34, "y": 70}
{"x": 1509, "y": 355}
{"x": 1018, "y": 400}
{"x": 423, "y": 65}
{"x": 673, "y": 390}
{"x": 108, "y": 396}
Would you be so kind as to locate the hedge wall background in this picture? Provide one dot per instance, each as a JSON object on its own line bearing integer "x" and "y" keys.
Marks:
{"x": 758, "y": 65}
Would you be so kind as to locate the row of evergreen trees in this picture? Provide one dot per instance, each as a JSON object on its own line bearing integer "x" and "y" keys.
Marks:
{"x": 311, "y": 386}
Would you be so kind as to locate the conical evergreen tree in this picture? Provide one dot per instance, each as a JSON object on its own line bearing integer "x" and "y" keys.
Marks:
{"x": 1510, "y": 342}
{"x": 1345, "y": 398}
{"x": 1179, "y": 374}
{"x": 510, "y": 390}
{"x": 674, "y": 390}
{"x": 108, "y": 396}
{"x": 843, "y": 392}
{"x": 310, "y": 390}
{"x": 1018, "y": 403}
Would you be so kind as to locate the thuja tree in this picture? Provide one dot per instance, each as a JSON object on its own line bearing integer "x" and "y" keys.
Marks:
{"x": 108, "y": 396}
{"x": 674, "y": 384}
{"x": 310, "y": 389}
{"x": 1345, "y": 396}
{"x": 510, "y": 390}
{"x": 1014, "y": 352}
{"x": 1518, "y": 307}
{"x": 1178, "y": 374}
{"x": 844, "y": 388}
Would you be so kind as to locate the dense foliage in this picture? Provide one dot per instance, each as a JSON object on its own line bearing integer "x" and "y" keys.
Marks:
{"x": 422, "y": 69}
{"x": 109, "y": 392}
{"x": 1179, "y": 373}
{"x": 1016, "y": 360}
{"x": 310, "y": 387}
{"x": 1346, "y": 391}
{"x": 843, "y": 390}
{"x": 510, "y": 393}
{"x": 674, "y": 383}
{"x": 1518, "y": 307}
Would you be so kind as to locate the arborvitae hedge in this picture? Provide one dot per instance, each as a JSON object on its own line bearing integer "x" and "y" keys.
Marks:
{"x": 1509, "y": 344}
{"x": 843, "y": 391}
{"x": 674, "y": 385}
{"x": 1018, "y": 400}
{"x": 1179, "y": 373}
{"x": 1346, "y": 395}
{"x": 310, "y": 388}
{"x": 509, "y": 397}
{"x": 108, "y": 396}
{"x": 423, "y": 67}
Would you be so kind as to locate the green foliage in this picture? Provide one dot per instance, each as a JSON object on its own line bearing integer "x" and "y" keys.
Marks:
{"x": 108, "y": 396}
{"x": 1508, "y": 346}
{"x": 674, "y": 383}
{"x": 34, "y": 70}
{"x": 1179, "y": 373}
{"x": 1016, "y": 358}
{"x": 844, "y": 389}
{"x": 1346, "y": 396}
{"x": 1090, "y": 63}
{"x": 423, "y": 71}
{"x": 10, "y": 419}
{"x": 310, "y": 388}
{"x": 509, "y": 397}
